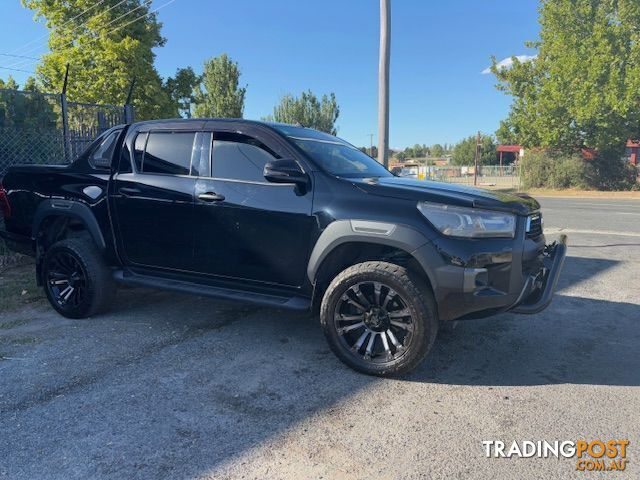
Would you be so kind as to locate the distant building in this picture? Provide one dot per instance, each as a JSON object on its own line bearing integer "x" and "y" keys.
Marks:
{"x": 514, "y": 151}
{"x": 632, "y": 152}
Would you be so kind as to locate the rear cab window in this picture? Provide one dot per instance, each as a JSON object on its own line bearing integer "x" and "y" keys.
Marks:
{"x": 172, "y": 152}
{"x": 102, "y": 155}
{"x": 168, "y": 153}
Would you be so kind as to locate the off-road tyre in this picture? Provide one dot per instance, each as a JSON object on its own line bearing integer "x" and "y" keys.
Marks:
{"x": 414, "y": 297}
{"x": 77, "y": 262}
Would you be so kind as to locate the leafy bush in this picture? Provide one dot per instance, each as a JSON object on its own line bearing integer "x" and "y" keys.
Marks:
{"x": 553, "y": 170}
{"x": 548, "y": 169}
{"x": 608, "y": 172}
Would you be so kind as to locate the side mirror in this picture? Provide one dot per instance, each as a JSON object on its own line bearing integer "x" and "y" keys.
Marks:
{"x": 285, "y": 170}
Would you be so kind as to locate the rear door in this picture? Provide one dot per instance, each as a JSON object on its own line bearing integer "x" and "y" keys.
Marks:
{"x": 152, "y": 198}
{"x": 245, "y": 227}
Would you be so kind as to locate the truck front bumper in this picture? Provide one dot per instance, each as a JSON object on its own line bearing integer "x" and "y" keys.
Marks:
{"x": 476, "y": 279}
{"x": 539, "y": 288}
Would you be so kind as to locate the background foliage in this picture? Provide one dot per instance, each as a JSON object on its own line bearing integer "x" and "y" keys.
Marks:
{"x": 103, "y": 58}
{"x": 309, "y": 111}
{"x": 464, "y": 152}
{"x": 219, "y": 94}
{"x": 583, "y": 88}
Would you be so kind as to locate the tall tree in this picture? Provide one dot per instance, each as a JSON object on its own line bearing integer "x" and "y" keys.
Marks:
{"x": 583, "y": 88}
{"x": 219, "y": 94}
{"x": 307, "y": 110}
{"x": 29, "y": 127}
{"x": 180, "y": 89}
{"x": 465, "y": 150}
{"x": 506, "y": 134}
{"x": 437, "y": 150}
{"x": 25, "y": 112}
{"x": 103, "y": 57}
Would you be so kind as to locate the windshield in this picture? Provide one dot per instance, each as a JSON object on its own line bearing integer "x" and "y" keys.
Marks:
{"x": 333, "y": 154}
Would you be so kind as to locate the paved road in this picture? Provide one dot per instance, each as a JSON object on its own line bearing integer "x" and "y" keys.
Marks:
{"x": 592, "y": 215}
{"x": 170, "y": 386}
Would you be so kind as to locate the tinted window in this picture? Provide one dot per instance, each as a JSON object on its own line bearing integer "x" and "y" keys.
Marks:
{"x": 341, "y": 159}
{"x": 240, "y": 157}
{"x": 102, "y": 155}
{"x": 138, "y": 150}
{"x": 168, "y": 152}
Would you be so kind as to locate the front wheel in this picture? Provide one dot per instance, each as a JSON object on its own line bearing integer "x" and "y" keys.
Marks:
{"x": 76, "y": 280}
{"x": 378, "y": 318}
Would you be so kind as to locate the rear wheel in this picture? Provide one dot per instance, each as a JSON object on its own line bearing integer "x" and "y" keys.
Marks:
{"x": 76, "y": 280}
{"x": 378, "y": 318}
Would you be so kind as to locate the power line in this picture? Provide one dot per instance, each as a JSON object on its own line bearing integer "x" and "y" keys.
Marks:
{"x": 78, "y": 27}
{"x": 65, "y": 23}
{"x": 18, "y": 56}
{"x": 11, "y": 67}
{"x": 142, "y": 16}
{"x": 18, "y": 70}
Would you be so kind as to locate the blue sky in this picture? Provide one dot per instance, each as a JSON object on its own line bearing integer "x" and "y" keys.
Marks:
{"x": 438, "y": 51}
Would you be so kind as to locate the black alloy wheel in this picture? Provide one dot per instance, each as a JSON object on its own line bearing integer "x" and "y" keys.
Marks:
{"x": 66, "y": 280}
{"x": 76, "y": 280}
{"x": 374, "y": 322}
{"x": 379, "y": 318}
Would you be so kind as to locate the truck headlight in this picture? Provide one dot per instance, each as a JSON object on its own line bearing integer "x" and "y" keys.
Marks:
{"x": 468, "y": 222}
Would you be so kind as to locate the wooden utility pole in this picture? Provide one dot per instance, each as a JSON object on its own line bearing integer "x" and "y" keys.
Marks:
{"x": 383, "y": 82}
{"x": 476, "y": 160}
{"x": 370, "y": 135}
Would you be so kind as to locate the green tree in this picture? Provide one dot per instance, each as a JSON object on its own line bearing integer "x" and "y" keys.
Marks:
{"x": 26, "y": 112}
{"x": 103, "y": 58}
{"x": 464, "y": 151}
{"x": 583, "y": 88}
{"x": 309, "y": 111}
{"x": 437, "y": 150}
{"x": 505, "y": 133}
{"x": 180, "y": 89}
{"x": 419, "y": 151}
{"x": 29, "y": 127}
{"x": 219, "y": 94}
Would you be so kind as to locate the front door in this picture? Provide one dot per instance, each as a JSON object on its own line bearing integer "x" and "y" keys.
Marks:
{"x": 246, "y": 227}
{"x": 154, "y": 208}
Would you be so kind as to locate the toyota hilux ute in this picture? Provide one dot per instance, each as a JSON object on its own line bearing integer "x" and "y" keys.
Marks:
{"x": 283, "y": 216}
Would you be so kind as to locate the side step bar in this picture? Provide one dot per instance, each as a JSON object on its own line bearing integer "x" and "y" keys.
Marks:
{"x": 287, "y": 302}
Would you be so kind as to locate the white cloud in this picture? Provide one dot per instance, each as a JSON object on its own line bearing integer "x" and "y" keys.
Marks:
{"x": 508, "y": 62}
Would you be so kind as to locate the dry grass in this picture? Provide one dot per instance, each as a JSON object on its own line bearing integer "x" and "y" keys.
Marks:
{"x": 18, "y": 286}
{"x": 543, "y": 192}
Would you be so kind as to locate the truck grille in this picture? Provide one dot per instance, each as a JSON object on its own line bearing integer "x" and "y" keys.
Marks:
{"x": 534, "y": 225}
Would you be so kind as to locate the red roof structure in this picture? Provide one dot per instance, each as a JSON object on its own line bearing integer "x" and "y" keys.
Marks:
{"x": 502, "y": 149}
{"x": 634, "y": 151}
{"x": 509, "y": 148}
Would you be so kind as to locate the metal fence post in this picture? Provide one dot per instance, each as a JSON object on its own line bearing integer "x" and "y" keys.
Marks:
{"x": 129, "y": 114}
{"x": 65, "y": 117}
{"x": 128, "y": 107}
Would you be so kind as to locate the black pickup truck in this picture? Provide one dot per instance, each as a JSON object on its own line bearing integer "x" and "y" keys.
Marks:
{"x": 284, "y": 216}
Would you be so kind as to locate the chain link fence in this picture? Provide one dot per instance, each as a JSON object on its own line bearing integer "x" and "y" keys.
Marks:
{"x": 42, "y": 128}
{"x": 507, "y": 176}
{"x": 488, "y": 175}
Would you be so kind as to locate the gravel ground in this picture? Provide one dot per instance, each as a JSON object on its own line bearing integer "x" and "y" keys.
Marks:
{"x": 171, "y": 386}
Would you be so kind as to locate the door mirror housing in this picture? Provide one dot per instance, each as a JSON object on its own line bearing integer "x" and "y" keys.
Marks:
{"x": 285, "y": 170}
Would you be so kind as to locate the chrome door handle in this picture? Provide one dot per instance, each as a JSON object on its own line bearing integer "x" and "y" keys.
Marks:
{"x": 210, "y": 197}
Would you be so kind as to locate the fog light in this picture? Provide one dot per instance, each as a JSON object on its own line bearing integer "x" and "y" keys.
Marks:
{"x": 482, "y": 279}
